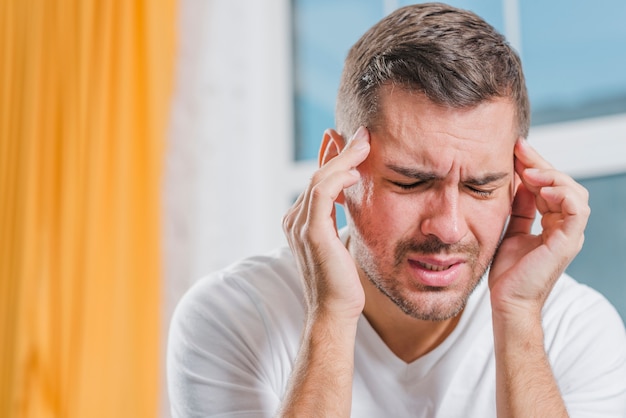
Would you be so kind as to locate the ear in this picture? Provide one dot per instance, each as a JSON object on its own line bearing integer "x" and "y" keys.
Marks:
{"x": 332, "y": 144}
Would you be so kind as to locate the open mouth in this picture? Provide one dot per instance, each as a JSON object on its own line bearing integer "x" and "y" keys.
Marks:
{"x": 437, "y": 271}
{"x": 433, "y": 267}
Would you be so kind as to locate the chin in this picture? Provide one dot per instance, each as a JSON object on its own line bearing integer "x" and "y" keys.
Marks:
{"x": 428, "y": 303}
{"x": 433, "y": 307}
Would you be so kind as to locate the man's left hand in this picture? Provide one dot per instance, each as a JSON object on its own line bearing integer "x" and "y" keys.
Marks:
{"x": 526, "y": 266}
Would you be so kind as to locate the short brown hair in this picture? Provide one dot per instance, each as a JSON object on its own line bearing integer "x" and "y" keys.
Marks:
{"x": 451, "y": 55}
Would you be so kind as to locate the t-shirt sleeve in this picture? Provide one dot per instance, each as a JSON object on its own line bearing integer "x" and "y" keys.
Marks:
{"x": 587, "y": 350}
{"x": 220, "y": 362}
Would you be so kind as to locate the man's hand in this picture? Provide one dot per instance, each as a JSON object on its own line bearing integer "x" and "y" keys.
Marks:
{"x": 330, "y": 276}
{"x": 522, "y": 275}
{"x": 527, "y": 266}
{"x": 321, "y": 382}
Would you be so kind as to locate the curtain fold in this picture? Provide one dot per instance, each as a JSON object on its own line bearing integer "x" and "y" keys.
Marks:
{"x": 84, "y": 106}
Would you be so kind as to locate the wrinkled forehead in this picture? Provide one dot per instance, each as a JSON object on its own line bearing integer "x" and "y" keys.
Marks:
{"x": 406, "y": 111}
{"x": 410, "y": 127}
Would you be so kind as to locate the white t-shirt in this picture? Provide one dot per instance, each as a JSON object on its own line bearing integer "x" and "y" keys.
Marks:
{"x": 235, "y": 335}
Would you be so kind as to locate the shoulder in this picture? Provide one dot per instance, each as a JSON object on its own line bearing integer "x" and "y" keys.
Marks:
{"x": 586, "y": 343}
{"x": 251, "y": 296}
{"x": 579, "y": 306}
{"x": 578, "y": 314}
{"x": 246, "y": 285}
{"x": 234, "y": 336}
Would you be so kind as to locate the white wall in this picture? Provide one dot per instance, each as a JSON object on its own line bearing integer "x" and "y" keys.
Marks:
{"x": 584, "y": 148}
{"x": 229, "y": 141}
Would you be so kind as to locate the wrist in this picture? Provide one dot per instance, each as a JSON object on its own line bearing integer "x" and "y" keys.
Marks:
{"x": 515, "y": 311}
{"x": 340, "y": 313}
{"x": 517, "y": 330}
{"x": 333, "y": 324}
{"x": 523, "y": 371}
{"x": 322, "y": 376}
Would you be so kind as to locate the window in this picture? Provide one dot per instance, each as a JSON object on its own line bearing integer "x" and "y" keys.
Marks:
{"x": 574, "y": 55}
{"x": 602, "y": 261}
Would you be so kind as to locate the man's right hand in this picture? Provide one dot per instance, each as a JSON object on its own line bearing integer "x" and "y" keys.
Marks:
{"x": 321, "y": 381}
{"x": 330, "y": 276}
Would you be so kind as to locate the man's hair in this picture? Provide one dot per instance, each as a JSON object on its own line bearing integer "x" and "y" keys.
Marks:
{"x": 450, "y": 55}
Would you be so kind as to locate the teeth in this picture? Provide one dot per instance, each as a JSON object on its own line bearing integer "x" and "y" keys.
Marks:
{"x": 434, "y": 268}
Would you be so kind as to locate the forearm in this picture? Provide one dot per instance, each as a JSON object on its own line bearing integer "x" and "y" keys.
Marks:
{"x": 526, "y": 386}
{"x": 321, "y": 383}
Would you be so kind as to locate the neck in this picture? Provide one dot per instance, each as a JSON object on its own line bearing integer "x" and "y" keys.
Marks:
{"x": 408, "y": 338}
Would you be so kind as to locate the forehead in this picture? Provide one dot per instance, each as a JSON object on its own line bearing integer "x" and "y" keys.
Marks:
{"x": 412, "y": 128}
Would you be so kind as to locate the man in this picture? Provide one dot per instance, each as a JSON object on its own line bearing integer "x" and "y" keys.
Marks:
{"x": 436, "y": 300}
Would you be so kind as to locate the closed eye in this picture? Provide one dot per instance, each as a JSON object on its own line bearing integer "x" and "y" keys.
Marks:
{"x": 480, "y": 192}
{"x": 408, "y": 186}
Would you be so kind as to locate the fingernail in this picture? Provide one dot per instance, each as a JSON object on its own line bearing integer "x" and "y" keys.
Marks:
{"x": 360, "y": 138}
{"x": 525, "y": 143}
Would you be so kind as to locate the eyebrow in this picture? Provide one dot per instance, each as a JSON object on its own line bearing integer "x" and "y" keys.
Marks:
{"x": 486, "y": 179}
{"x": 413, "y": 173}
{"x": 427, "y": 175}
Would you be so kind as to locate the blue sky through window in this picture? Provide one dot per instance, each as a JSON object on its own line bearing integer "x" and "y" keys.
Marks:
{"x": 573, "y": 52}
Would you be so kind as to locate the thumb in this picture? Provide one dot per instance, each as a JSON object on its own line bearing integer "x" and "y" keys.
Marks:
{"x": 523, "y": 211}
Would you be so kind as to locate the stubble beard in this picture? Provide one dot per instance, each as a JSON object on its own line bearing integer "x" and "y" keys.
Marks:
{"x": 441, "y": 303}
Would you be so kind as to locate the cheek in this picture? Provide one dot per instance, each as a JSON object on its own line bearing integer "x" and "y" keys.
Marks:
{"x": 371, "y": 211}
{"x": 360, "y": 195}
{"x": 487, "y": 220}
{"x": 383, "y": 217}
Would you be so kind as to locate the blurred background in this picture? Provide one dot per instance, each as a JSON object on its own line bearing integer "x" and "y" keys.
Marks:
{"x": 144, "y": 144}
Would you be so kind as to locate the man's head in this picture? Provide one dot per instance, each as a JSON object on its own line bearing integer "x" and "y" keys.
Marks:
{"x": 450, "y": 55}
{"x": 444, "y": 100}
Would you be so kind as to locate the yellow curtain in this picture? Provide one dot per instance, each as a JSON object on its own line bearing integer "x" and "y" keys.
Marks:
{"x": 84, "y": 102}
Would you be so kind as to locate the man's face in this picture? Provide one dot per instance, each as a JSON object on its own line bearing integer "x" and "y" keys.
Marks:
{"x": 435, "y": 193}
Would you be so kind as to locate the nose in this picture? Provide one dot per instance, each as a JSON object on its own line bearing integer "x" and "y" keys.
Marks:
{"x": 444, "y": 216}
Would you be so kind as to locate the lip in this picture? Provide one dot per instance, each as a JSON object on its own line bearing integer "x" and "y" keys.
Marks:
{"x": 436, "y": 271}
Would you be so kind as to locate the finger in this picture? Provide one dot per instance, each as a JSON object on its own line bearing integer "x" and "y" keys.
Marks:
{"x": 565, "y": 200}
{"x": 539, "y": 180}
{"x": 536, "y": 177}
{"x": 324, "y": 194}
{"x": 530, "y": 186}
{"x": 353, "y": 154}
{"x": 566, "y": 216}
{"x": 291, "y": 215}
{"x": 528, "y": 156}
{"x": 523, "y": 212}
{"x": 563, "y": 234}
